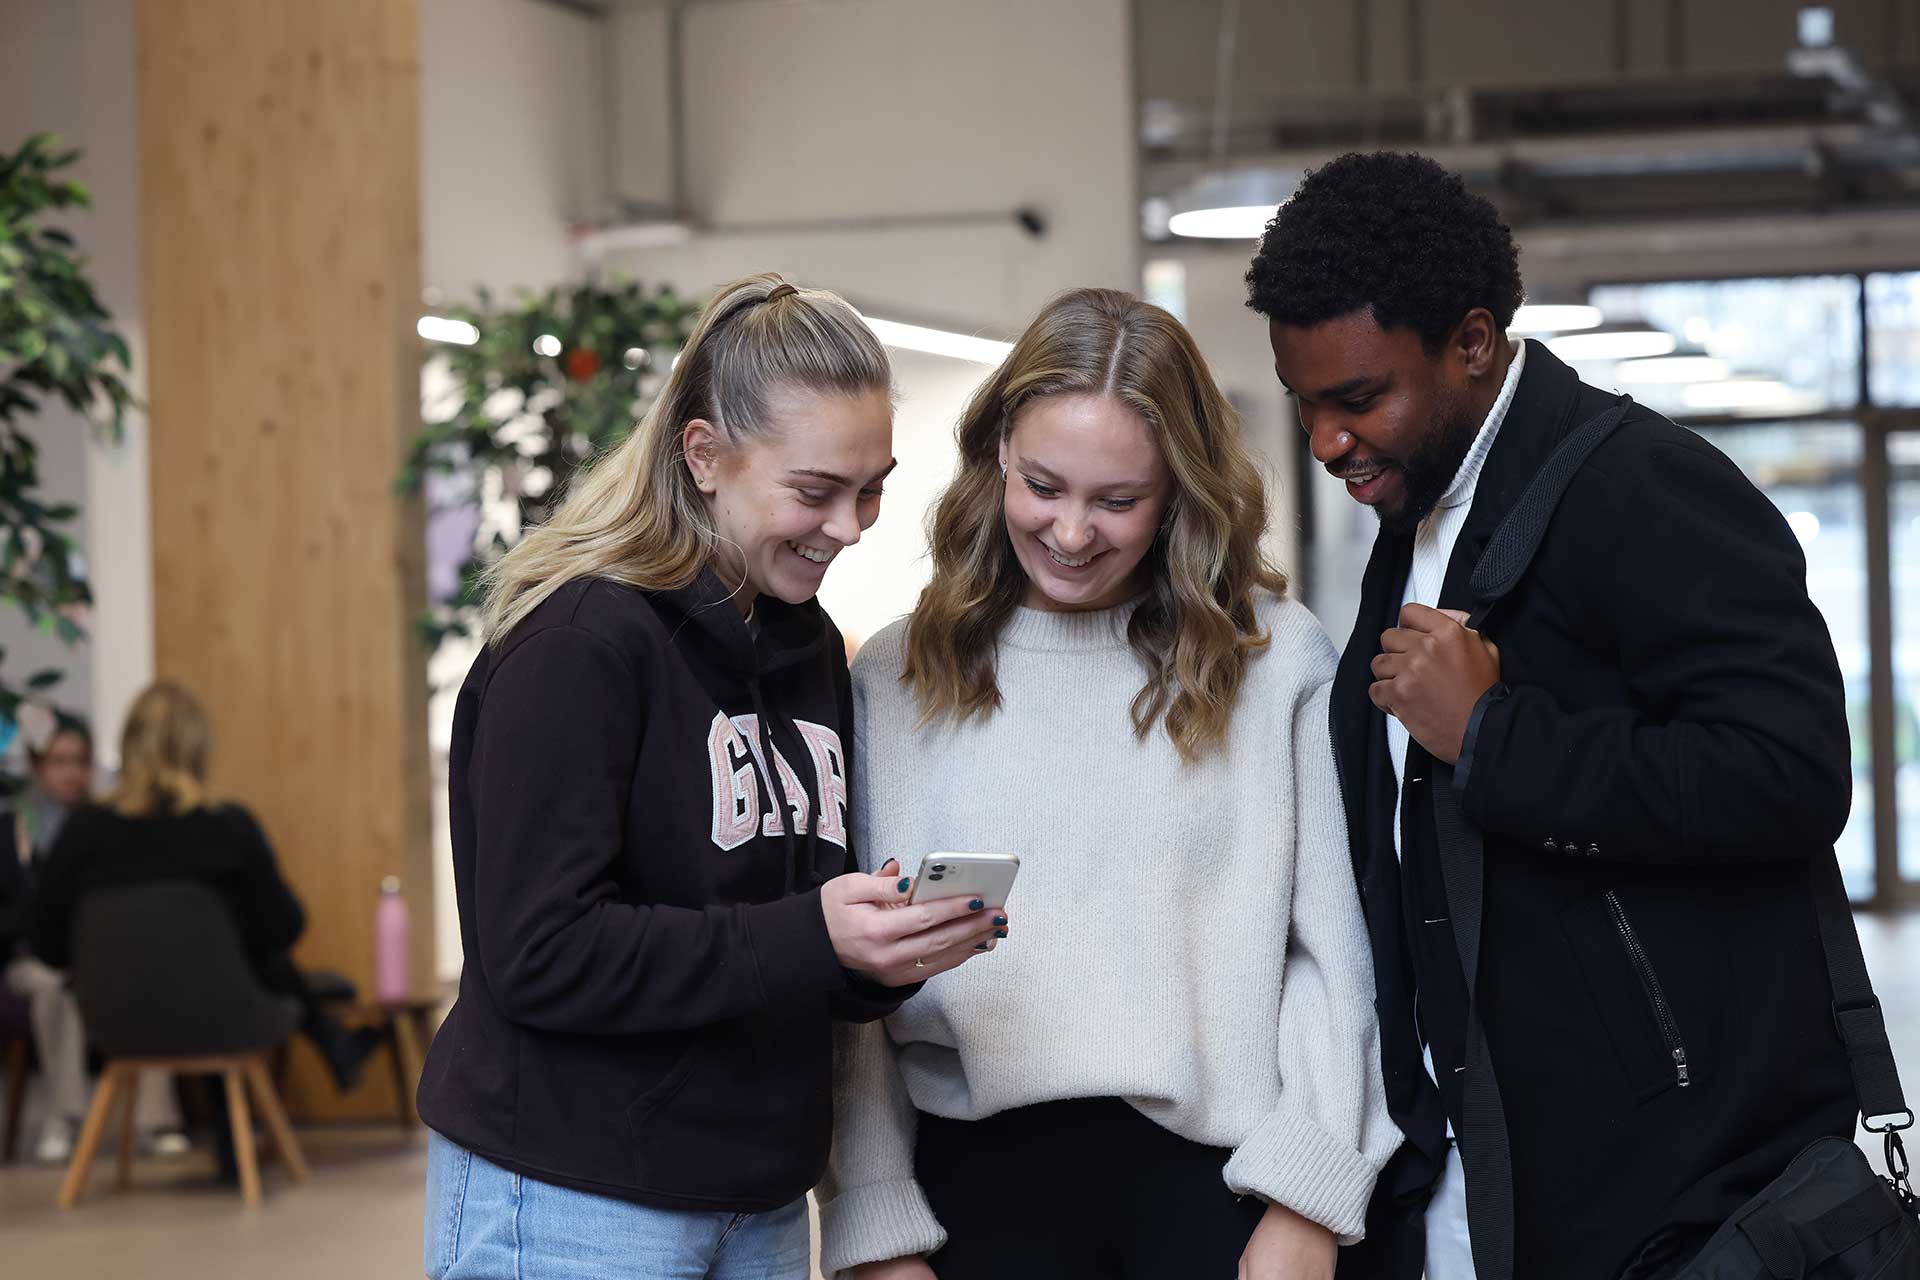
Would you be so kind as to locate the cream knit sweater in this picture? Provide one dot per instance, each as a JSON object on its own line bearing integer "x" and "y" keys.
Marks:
{"x": 1184, "y": 936}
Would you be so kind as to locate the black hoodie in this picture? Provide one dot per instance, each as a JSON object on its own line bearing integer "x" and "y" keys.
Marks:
{"x": 646, "y": 1006}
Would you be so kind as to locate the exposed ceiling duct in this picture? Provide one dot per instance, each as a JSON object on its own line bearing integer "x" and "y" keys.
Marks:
{"x": 1823, "y": 134}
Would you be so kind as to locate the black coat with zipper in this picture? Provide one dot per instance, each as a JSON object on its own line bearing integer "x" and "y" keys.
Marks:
{"x": 1666, "y": 749}
{"x": 646, "y": 1005}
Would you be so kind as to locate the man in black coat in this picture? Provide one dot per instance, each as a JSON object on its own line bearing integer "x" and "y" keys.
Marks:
{"x": 1648, "y": 734}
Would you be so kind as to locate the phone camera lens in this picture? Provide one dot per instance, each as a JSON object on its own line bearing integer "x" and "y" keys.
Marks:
{"x": 936, "y": 876}
{"x": 939, "y": 866}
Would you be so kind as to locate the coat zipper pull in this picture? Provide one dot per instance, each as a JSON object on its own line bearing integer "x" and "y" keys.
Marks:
{"x": 1680, "y": 1066}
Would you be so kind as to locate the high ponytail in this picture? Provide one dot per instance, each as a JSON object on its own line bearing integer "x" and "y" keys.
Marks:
{"x": 634, "y": 514}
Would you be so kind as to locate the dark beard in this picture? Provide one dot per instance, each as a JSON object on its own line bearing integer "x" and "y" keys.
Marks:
{"x": 1426, "y": 473}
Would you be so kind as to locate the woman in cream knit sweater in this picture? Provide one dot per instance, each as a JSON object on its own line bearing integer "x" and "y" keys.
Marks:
{"x": 1170, "y": 1068}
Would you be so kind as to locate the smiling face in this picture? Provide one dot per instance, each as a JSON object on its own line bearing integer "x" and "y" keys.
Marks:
{"x": 1086, "y": 493}
{"x": 789, "y": 499}
{"x": 1381, "y": 412}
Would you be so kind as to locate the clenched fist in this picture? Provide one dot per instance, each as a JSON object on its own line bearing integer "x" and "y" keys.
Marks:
{"x": 1430, "y": 674}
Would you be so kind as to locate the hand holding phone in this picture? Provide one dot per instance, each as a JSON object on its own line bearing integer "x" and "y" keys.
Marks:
{"x": 876, "y": 929}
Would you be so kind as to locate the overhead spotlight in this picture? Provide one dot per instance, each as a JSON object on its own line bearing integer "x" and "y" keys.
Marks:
{"x": 1814, "y": 26}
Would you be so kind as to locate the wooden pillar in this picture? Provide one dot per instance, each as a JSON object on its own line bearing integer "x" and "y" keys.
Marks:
{"x": 280, "y": 218}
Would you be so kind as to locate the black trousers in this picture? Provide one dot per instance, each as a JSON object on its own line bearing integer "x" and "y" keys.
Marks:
{"x": 1088, "y": 1189}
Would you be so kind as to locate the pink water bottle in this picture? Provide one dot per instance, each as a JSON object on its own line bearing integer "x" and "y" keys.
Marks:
{"x": 390, "y": 978}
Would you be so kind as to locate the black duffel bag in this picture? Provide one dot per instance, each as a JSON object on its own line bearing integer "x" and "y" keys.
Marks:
{"x": 1828, "y": 1217}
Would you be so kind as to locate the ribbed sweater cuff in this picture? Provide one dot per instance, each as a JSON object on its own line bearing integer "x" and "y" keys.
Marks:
{"x": 1291, "y": 1160}
{"x": 876, "y": 1222}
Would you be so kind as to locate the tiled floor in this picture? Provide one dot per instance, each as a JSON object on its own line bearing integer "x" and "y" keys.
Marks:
{"x": 359, "y": 1217}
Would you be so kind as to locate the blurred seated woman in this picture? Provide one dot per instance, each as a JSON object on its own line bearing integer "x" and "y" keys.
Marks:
{"x": 59, "y": 752}
{"x": 160, "y": 824}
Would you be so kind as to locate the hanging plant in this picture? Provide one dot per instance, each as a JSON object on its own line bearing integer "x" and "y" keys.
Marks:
{"x": 56, "y": 341}
{"x": 548, "y": 381}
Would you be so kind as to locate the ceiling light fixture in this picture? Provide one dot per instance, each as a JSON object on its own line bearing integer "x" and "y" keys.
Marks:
{"x": 938, "y": 342}
{"x": 441, "y": 329}
{"x": 1614, "y": 342}
{"x": 1747, "y": 396}
{"x": 1551, "y": 317}
{"x": 1231, "y": 206}
{"x": 1674, "y": 368}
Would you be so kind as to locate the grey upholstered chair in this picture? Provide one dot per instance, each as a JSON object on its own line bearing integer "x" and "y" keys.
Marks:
{"x": 165, "y": 984}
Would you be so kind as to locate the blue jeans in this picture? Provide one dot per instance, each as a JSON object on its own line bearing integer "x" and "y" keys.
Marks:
{"x": 484, "y": 1223}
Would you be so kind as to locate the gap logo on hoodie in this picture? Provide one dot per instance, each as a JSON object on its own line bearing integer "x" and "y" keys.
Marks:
{"x": 734, "y": 753}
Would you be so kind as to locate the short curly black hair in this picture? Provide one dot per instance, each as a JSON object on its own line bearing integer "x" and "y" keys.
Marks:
{"x": 1392, "y": 231}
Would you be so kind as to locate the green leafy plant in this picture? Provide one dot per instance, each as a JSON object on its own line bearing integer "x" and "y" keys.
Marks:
{"x": 550, "y": 380}
{"x": 56, "y": 342}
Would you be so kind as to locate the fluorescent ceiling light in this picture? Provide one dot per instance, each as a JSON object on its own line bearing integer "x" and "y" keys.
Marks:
{"x": 1613, "y": 344}
{"x": 938, "y": 342}
{"x": 1554, "y": 318}
{"x": 1230, "y": 206}
{"x": 441, "y": 329}
{"x": 1672, "y": 369}
{"x": 1228, "y": 222}
{"x": 1747, "y": 395}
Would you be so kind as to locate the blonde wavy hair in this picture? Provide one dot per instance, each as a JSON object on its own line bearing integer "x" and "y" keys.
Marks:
{"x": 1195, "y": 630}
{"x": 163, "y": 753}
{"x": 634, "y": 515}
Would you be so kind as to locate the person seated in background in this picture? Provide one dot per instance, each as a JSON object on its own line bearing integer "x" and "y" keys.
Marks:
{"x": 160, "y": 824}
{"x": 59, "y": 752}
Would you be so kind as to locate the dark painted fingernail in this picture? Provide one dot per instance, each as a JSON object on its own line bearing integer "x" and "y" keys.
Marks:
{"x": 905, "y": 884}
{"x": 983, "y": 947}
{"x": 999, "y": 919}
{"x": 975, "y": 905}
{"x": 999, "y": 933}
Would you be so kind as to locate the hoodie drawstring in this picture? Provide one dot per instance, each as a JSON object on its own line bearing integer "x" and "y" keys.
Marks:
{"x": 779, "y": 806}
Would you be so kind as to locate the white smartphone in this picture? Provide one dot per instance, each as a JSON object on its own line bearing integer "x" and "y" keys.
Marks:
{"x": 986, "y": 876}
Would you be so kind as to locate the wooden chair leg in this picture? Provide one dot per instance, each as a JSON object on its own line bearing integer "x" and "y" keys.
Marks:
{"x": 90, "y": 1134}
{"x": 16, "y": 1097}
{"x": 129, "y": 1090}
{"x": 406, "y": 1064}
{"x": 275, "y": 1115}
{"x": 242, "y": 1121}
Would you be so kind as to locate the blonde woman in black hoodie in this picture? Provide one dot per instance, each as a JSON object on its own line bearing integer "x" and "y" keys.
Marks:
{"x": 649, "y": 814}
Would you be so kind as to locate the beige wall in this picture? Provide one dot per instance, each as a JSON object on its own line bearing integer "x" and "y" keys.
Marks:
{"x": 512, "y": 141}
{"x": 825, "y": 113}
{"x": 67, "y": 66}
{"x": 820, "y": 113}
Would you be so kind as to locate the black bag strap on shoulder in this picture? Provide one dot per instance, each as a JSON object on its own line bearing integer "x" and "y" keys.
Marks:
{"x": 1862, "y": 1026}
{"x": 1483, "y": 1134}
{"x": 1514, "y": 542}
{"x": 1856, "y": 1010}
